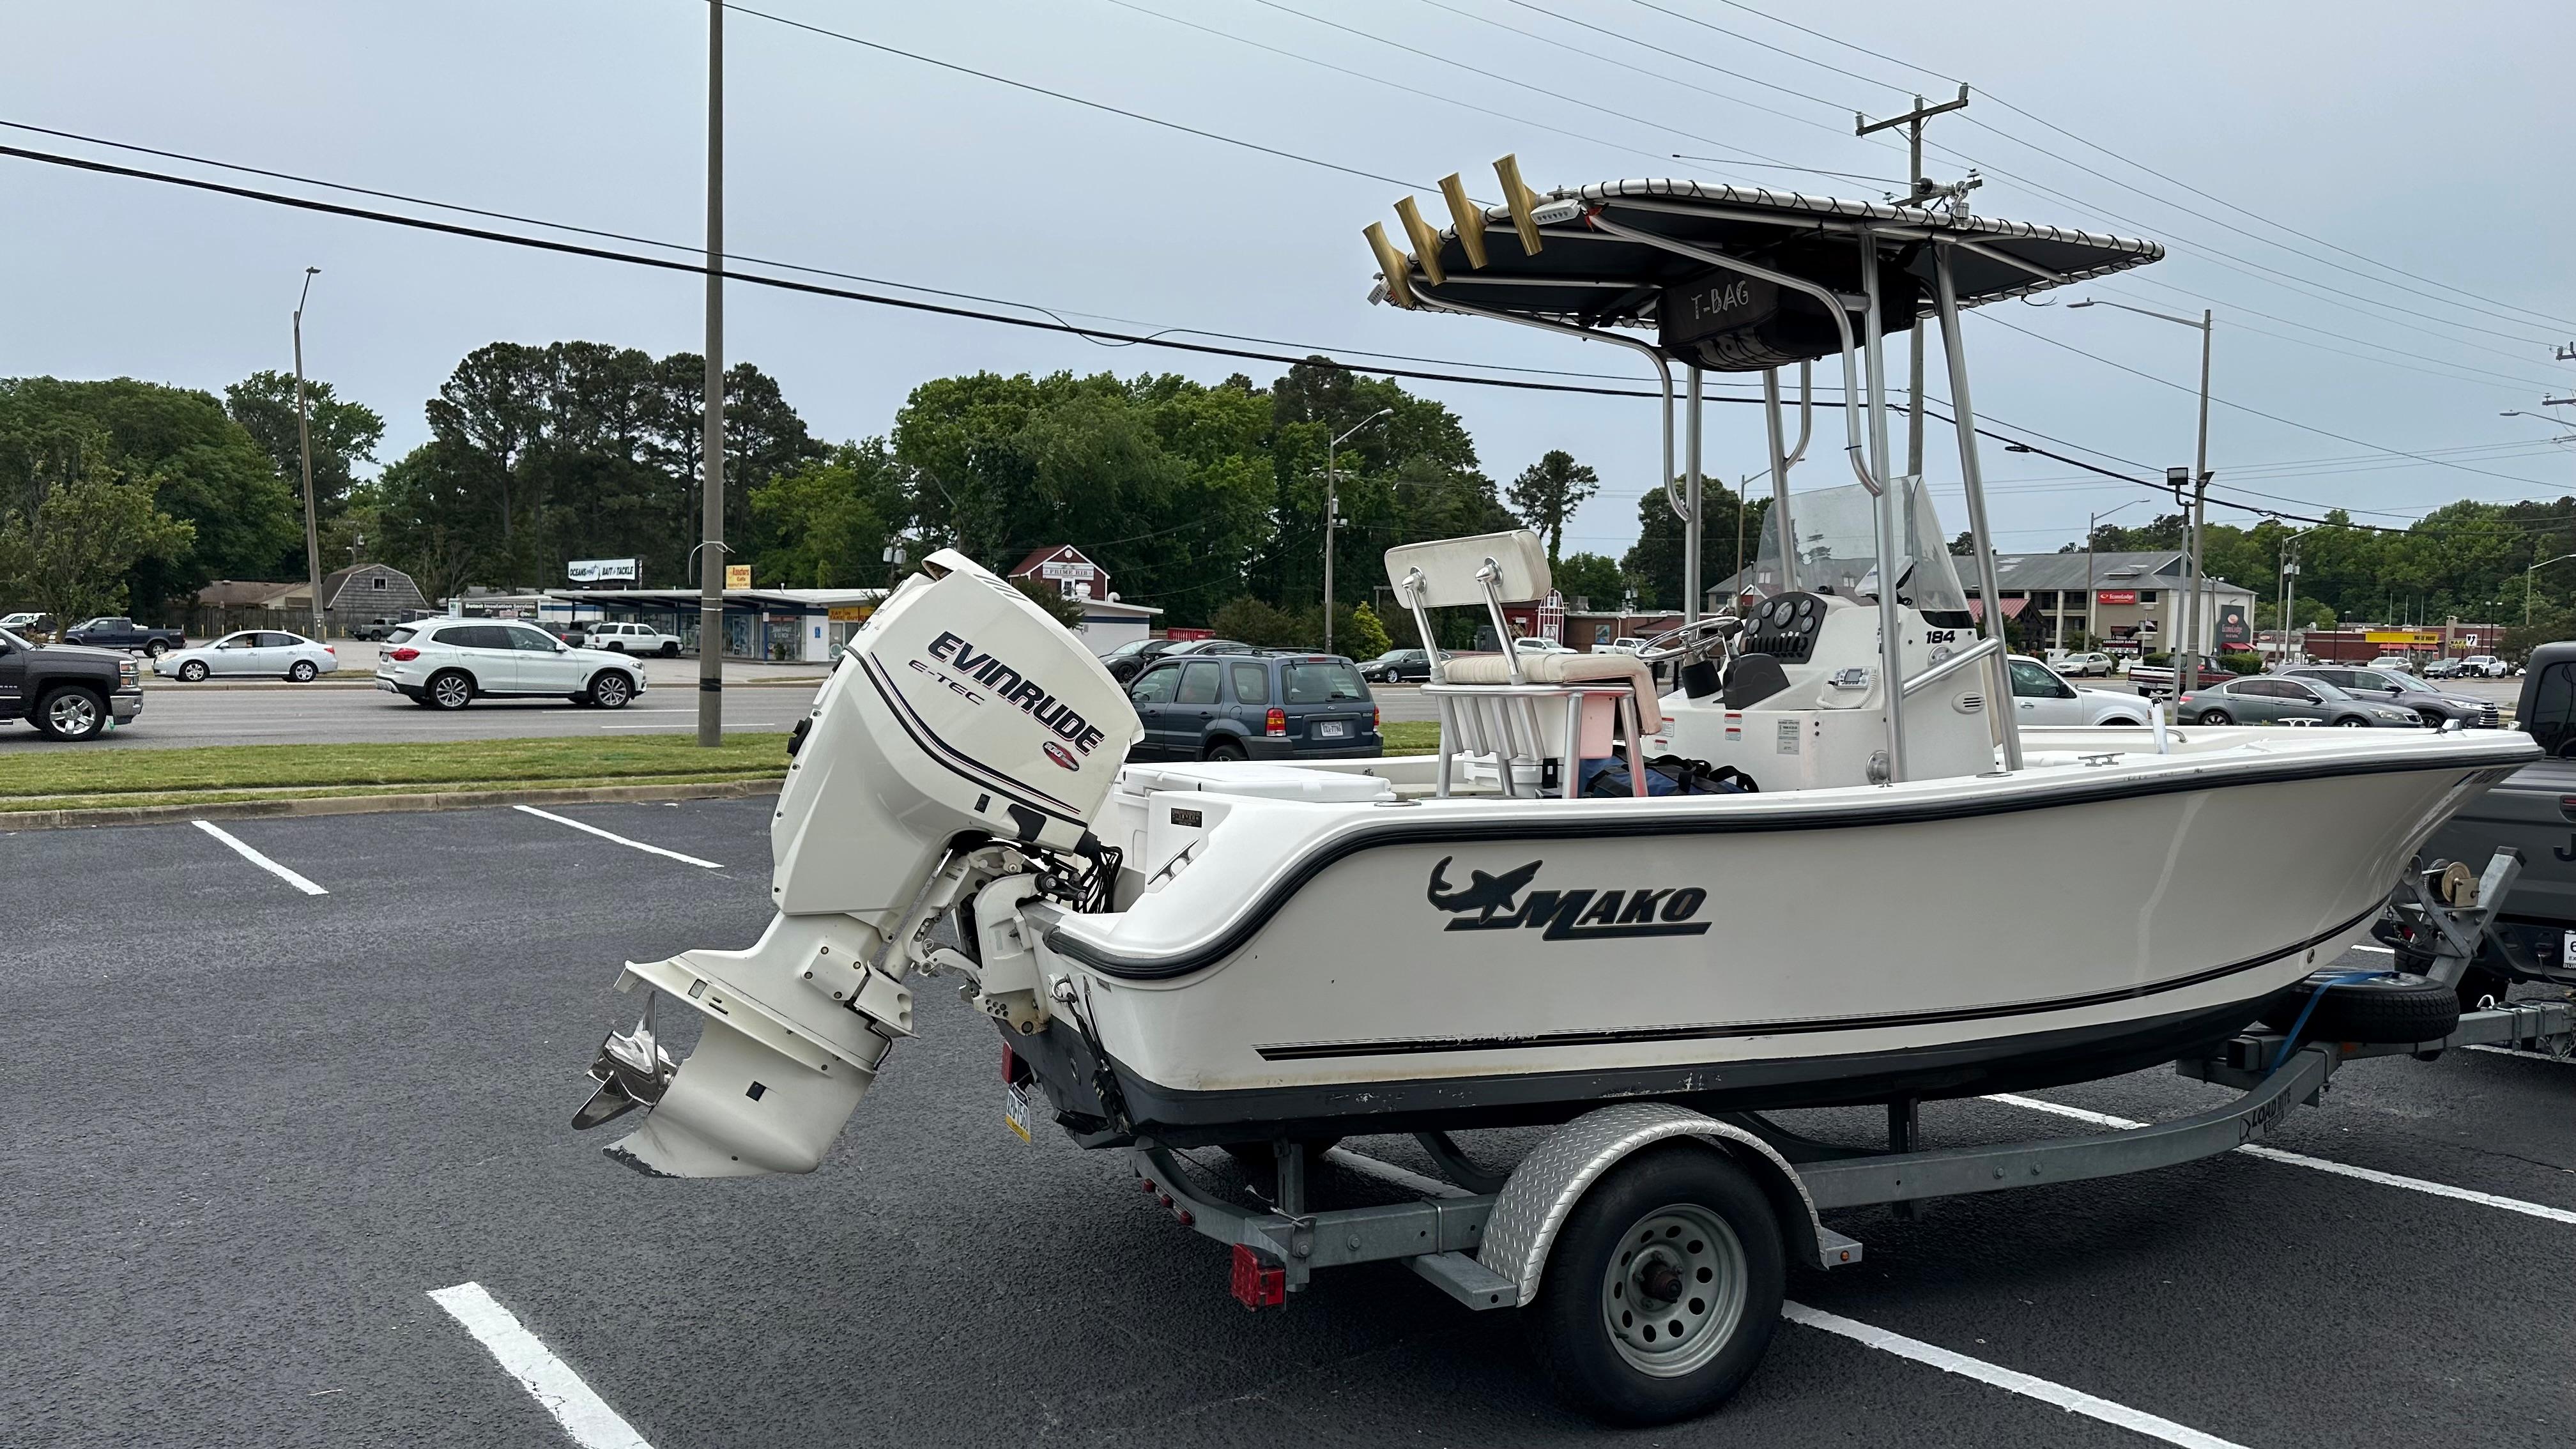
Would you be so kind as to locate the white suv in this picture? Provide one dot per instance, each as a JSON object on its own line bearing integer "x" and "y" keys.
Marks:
{"x": 632, "y": 639}
{"x": 450, "y": 663}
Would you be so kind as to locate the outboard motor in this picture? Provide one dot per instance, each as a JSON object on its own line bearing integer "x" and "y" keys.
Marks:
{"x": 962, "y": 717}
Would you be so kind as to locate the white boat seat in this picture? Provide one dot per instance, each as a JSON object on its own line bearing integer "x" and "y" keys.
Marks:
{"x": 1566, "y": 669}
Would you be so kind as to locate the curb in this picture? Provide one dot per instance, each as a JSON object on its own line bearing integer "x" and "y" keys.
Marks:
{"x": 381, "y": 804}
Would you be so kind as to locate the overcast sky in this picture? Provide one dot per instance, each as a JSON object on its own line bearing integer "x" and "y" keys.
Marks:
{"x": 2427, "y": 140}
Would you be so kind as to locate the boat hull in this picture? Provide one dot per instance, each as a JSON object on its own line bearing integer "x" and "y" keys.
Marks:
{"x": 1457, "y": 964}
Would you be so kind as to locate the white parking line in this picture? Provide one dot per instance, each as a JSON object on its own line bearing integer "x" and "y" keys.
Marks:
{"x": 263, "y": 862}
{"x": 620, "y": 839}
{"x": 2073, "y": 1401}
{"x": 2339, "y": 1169}
{"x": 585, "y": 1416}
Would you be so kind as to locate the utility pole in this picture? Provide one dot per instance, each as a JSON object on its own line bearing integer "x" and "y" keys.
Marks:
{"x": 711, "y": 564}
{"x": 2196, "y": 511}
{"x": 2092, "y": 526}
{"x": 304, "y": 442}
{"x": 1920, "y": 193}
{"x": 1333, "y": 517}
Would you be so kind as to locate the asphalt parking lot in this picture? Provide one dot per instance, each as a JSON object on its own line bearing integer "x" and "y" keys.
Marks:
{"x": 262, "y": 1119}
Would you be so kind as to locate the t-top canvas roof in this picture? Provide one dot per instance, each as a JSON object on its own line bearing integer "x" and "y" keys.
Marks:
{"x": 1560, "y": 257}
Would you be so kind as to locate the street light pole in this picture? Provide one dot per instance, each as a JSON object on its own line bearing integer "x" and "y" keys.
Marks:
{"x": 711, "y": 445}
{"x": 2186, "y": 669}
{"x": 1332, "y": 518}
{"x": 304, "y": 443}
{"x": 2092, "y": 524}
{"x": 2526, "y": 583}
{"x": 2289, "y": 588}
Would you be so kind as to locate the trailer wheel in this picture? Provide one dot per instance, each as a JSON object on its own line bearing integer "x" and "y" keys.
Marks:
{"x": 1662, "y": 1289}
{"x": 2397, "y": 1006}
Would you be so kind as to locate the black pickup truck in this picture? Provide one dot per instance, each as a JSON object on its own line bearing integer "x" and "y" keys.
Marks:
{"x": 2534, "y": 811}
{"x": 125, "y": 634}
{"x": 67, "y": 692}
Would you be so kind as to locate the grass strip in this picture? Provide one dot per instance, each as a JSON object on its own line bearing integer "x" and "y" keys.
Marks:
{"x": 1410, "y": 737}
{"x": 124, "y": 776}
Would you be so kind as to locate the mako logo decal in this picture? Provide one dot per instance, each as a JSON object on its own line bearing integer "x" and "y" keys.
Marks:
{"x": 1008, "y": 686}
{"x": 1493, "y": 903}
{"x": 1062, "y": 756}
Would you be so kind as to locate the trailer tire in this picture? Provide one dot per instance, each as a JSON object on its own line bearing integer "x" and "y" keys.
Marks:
{"x": 2396, "y": 1006}
{"x": 1662, "y": 1289}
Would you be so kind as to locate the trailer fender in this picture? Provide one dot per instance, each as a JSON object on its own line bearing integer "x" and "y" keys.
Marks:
{"x": 1543, "y": 1190}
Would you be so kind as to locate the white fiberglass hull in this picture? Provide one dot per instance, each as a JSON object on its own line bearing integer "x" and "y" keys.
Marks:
{"x": 1483, "y": 959}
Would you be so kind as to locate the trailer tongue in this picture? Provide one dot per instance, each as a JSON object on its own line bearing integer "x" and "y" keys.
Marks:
{"x": 964, "y": 735}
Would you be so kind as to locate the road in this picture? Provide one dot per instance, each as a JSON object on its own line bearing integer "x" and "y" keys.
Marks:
{"x": 179, "y": 716}
{"x": 253, "y": 1129}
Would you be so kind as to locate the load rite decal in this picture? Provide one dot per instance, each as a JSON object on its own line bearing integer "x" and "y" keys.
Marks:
{"x": 1583, "y": 914}
{"x": 1007, "y": 685}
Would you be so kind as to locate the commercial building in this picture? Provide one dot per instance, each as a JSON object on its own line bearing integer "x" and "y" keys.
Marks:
{"x": 2135, "y": 601}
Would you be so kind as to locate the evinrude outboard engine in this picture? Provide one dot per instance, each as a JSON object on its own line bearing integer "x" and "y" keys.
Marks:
{"x": 962, "y": 717}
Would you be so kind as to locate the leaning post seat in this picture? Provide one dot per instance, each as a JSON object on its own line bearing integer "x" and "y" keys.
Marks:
{"x": 1521, "y": 714}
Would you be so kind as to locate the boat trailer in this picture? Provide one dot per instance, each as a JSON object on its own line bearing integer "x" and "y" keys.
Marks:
{"x": 1484, "y": 1237}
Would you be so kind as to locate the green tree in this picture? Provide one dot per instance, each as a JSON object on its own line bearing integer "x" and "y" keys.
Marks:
{"x": 1362, "y": 635}
{"x": 1254, "y": 621}
{"x": 1592, "y": 578}
{"x": 1654, "y": 563}
{"x": 73, "y": 525}
{"x": 203, "y": 469}
{"x": 345, "y": 434}
{"x": 1547, "y": 493}
{"x": 828, "y": 522}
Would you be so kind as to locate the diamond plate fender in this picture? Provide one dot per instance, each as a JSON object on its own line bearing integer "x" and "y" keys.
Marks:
{"x": 1548, "y": 1183}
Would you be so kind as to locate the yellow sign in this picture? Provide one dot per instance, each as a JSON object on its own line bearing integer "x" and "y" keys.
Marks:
{"x": 852, "y": 613}
{"x": 737, "y": 576}
{"x": 2425, "y": 638}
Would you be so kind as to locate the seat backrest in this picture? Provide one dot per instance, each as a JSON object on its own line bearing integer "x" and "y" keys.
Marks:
{"x": 1449, "y": 567}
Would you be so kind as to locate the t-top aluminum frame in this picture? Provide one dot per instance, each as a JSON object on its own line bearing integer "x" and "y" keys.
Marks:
{"x": 1867, "y": 448}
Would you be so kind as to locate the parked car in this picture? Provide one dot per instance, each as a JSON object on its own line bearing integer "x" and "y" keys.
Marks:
{"x": 2091, "y": 664}
{"x": 450, "y": 663}
{"x": 1398, "y": 665}
{"x": 2484, "y": 666}
{"x": 2042, "y": 699}
{"x": 125, "y": 634}
{"x": 1535, "y": 644}
{"x": 2527, "y": 810}
{"x": 2443, "y": 669}
{"x": 253, "y": 653}
{"x": 2397, "y": 687}
{"x": 2159, "y": 679}
{"x": 33, "y": 626}
{"x": 1255, "y": 707}
{"x": 67, "y": 692}
{"x": 2392, "y": 661}
{"x": 1128, "y": 660}
{"x": 372, "y": 629}
{"x": 632, "y": 639}
{"x": 2273, "y": 699}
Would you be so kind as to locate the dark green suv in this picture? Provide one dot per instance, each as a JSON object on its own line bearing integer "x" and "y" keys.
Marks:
{"x": 1255, "y": 707}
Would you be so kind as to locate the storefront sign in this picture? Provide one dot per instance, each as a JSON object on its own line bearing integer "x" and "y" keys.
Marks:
{"x": 852, "y": 613}
{"x": 2115, "y": 596}
{"x": 2235, "y": 631}
{"x": 1079, "y": 572}
{"x": 596, "y": 570}
{"x": 2423, "y": 638}
{"x": 737, "y": 576}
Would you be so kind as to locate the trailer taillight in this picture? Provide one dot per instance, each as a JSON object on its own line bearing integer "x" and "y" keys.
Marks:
{"x": 1275, "y": 722}
{"x": 1258, "y": 1282}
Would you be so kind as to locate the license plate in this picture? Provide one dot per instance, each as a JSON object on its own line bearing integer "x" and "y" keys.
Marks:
{"x": 1332, "y": 729}
{"x": 1015, "y": 1111}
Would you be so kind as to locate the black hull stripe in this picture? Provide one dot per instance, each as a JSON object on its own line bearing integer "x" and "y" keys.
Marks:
{"x": 1718, "y": 821}
{"x": 958, "y": 762}
{"x": 1411, "y": 1046}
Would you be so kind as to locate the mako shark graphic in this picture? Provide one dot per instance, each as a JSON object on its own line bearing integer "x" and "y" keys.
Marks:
{"x": 1486, "y": 903}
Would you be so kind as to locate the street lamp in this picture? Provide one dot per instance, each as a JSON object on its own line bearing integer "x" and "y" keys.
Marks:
{"x": 2526, "y": 583}
{"x": 2186, "y": 670}
{"x": 1332, "y": 518}
{"x": 2289, "y": 588}
{"x": 304, "y": 442}
{"x": 2092, "y": 523}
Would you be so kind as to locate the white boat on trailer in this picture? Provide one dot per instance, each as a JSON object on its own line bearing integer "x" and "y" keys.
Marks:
{"x": 1167, "y": 949}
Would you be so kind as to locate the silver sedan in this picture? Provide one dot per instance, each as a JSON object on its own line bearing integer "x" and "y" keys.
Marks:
{"x": 251, "y": 653}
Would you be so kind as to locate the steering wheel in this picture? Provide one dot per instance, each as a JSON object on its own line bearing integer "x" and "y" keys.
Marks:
{"x": 1690, "y": 639}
